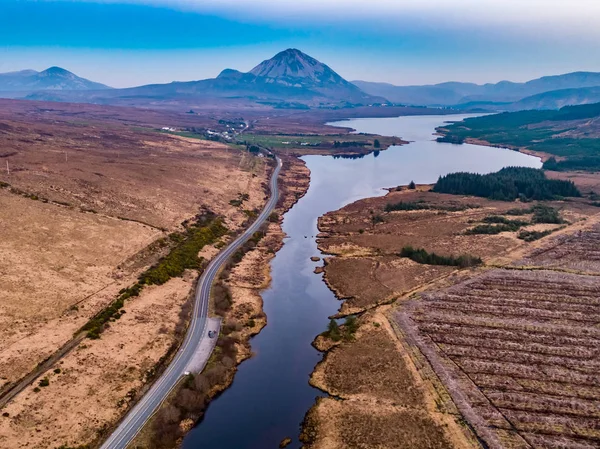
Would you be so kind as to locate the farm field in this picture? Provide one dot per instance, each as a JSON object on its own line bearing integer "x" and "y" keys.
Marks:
{"x": 517, "y": 348}
{"x": 322, "y": 143}
{"x": 579, "y": 251}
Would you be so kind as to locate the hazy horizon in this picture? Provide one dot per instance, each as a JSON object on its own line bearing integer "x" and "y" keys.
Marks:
{"x": 125, "y": 43}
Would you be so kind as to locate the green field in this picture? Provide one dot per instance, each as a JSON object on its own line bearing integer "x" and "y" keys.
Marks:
{"x": 271, "y": 141}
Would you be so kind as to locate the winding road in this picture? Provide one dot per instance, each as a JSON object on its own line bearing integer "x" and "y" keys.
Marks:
{"x": 145, "y": 408}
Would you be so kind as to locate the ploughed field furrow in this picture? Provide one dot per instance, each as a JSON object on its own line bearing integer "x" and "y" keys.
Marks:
{"x": 523, "y": 345}
{"x": 548, "y": 342}
{"x": 580, "y": 251}
{"x": 519, "y": 385}
{"x": 536, "y": 280}
{"x": 514, "y": 323}
{"x": 541, "y": 360}
{"x": 526, "y": 340}
{"x": 554, "y": 424}
{"x": 554, "y": 283}
{"x": 540, "y": 441}
{"x": 537, "y": 402}
{"x": 570, "y": 302}
{"x": 588, "y": 318}
{"x": 559, "y": 374}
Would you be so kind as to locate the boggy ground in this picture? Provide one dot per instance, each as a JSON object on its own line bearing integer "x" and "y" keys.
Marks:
{"x": 384, "y": 392}
{"x": 379, "y": 399}
{"x": 77, "y": 230}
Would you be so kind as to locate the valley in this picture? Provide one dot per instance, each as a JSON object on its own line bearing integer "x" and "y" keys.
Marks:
{"x": 280, "y": 257}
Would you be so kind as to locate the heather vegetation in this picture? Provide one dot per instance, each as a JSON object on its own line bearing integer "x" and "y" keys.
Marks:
{"x": 508, "y": 184}
{"x": 531, "y": 236}
{"x": 422, "y": 205}
{"x": 183, "y": 255}
{"x": 423, "y": 257}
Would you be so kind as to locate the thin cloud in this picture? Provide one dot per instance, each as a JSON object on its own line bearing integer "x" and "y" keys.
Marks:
{"x": 535, "y": 11}
{"x": 554, "y": 18}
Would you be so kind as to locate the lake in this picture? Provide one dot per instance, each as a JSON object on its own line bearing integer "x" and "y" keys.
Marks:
{"x": 270, "y": 394}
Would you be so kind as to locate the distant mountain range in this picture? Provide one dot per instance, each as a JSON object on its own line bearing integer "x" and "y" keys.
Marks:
{"x": 549, "y": 92}
{"x": 292, "y": 79}
{"x": 53, "y": 78}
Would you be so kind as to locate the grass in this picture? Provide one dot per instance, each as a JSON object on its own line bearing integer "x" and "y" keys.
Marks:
{"x": 291, "y": 141}
{"x": 188, "y": 134}
{"x": 339, "y": 141}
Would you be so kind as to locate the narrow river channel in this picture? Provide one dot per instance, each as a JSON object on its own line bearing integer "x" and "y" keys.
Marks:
{"x": 270, "y": 394}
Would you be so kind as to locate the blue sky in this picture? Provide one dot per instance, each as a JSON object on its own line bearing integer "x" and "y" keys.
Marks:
{"x": 132, "y": 42}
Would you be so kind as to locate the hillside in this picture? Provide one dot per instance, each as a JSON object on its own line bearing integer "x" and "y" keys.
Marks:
{"x": 557, "y": 99}
{"x": 54, "y": 79}
{"x": 554, "y": 89}
{"x": 570, "y": 136}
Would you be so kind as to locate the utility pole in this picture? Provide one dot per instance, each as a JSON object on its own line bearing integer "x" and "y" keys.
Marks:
{"x": 66, "y": 158}
{"x": 7, "y": 169}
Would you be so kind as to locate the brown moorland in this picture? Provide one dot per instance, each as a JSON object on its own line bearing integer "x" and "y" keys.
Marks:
{"x": 242, "y": 317}
{"x": 87, "y": 201}
{"x": 367, "y": 239}
{"x": 379, "y": 398}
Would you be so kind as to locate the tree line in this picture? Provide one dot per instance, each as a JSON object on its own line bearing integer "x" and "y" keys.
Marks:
{"x": 508, "y": 184}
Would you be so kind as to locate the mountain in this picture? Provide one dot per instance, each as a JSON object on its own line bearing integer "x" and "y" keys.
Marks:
{"x": 455, "y": 93}
{"x": 412, "y": 95}
{"x": 291, "y": 79}
{"x": 54, "y": 78}
{"x": 295, "y": 69}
